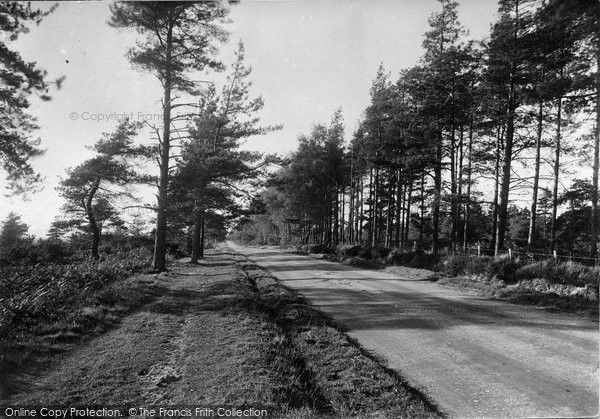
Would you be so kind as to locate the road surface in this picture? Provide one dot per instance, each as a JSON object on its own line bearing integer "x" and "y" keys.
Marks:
{"x": 473, "y": 356}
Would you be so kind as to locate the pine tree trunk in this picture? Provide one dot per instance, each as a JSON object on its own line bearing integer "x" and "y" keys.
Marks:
{"x": 595, "y": 215}
{"x": 468, "y": 194}
{"x": 391, "y": 206}
{"x": 196, "y": 238}
{"x": 203, "y": 235}
{"x": 160, "y": 240}
{"x": 508, "y": 144}
{"x": 401, "y": 203}
{"x": 437, "y": 194}
{"x": 343, "y": 216}
{"x": 459, "y": 181}
{"x": 505, "y": 184}
{"x": 422, "y": 200}
{"x": 371, "y": 208}
{"x": 407, "y": 217}
{"x": 89, "y": 209}
{"x": 336, "y": 219}
{"x": 361, "y": 211}
{"x": 398, "y": 208}
{"x": 453, "y": 188}
{"x": 496, "y": 185}
{"x": 376, "y": 218}
{"x": 351, "y": 210}
{"x": 556, "y": 174}
{"x": 536, "y": 176}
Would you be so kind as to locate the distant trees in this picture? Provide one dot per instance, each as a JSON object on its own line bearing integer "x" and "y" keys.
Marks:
{"x": 18, "y": 80}
{"x": 13, "y": 231}
{"x": 179, "y": 39}
{"x": 313, "y": 184}
{"x": 451, "y": 151}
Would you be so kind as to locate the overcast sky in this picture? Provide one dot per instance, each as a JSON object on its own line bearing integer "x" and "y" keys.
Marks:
{"x": 308, "y": 58}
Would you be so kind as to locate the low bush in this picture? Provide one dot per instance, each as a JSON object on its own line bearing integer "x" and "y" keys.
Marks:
{"x": 418, "y": 259}
{"x": 381, "y": 252}
{"x": 560, "y": 273}
{"x": 44, "y": 251}
{"x": 348, "y": 250}
{"x": 424, "y": 260}
{"x": 459, "y": 264}
{"x": 366, "y": 252}
{"x": 316, "y": 248}
{"x": 478, "y": 265}
{"x": 504, "y": 270}
{"x": 454, "y": 265}
{"x": 399, "y": 257}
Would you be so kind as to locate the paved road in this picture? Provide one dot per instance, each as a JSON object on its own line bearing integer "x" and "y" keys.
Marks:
{"x": 474, "y": 357}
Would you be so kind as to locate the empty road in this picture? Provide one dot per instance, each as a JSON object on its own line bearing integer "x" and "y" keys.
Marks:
{"x": 474, "y": 357}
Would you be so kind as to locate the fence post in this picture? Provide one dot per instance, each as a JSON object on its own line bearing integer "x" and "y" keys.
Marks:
{"x": 554, "y": 254}
{"x": 509, "y": 253}
{"x": 478, "y": 250}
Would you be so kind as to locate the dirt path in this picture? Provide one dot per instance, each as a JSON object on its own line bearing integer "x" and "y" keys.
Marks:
{"x": 474, "y": 357}
{"x": 165, "y": 353}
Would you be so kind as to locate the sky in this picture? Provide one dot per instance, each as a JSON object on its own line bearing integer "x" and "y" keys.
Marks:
{"x": 309, "y": 57}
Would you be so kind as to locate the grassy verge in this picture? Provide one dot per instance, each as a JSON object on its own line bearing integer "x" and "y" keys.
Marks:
{"x": 336, "y": 377}
{"x": 566, "y": 287}
{"x": 537, "y": 292}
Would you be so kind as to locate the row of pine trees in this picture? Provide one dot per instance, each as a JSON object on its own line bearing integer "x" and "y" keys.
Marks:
{"x": 463, "y": 146}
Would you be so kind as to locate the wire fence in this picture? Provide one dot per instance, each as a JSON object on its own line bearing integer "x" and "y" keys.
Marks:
{"x": 529, "y": 256}
{"x": 478, "y": 250}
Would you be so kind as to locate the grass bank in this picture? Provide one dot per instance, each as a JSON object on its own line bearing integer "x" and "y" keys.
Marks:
{"x": 566, "y": 287}
{"x": 48, "y": 309}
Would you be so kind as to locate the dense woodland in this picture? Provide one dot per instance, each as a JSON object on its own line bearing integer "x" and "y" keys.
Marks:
{"x": 482, "y": 143}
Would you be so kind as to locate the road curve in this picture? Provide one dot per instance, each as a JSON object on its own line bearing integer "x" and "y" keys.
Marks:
{"x": 473, "y": 356}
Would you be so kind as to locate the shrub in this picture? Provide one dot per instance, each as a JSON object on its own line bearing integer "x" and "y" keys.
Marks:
{"x": 365, "y": 252}
{"x": 302, "y": 248}
{"x": 454, "y": 265}
{"x": 504, "y": 270}
{"x": 398, "y": 257}
{"x": 381, "y": 252}
{"x": 174, "y": 250}
{"x": 348, "y": 250}
{"x": 478, "y": 265}
{"x": 533, "y": 270}
{"x": 316, "y": 248}
{"x": 457, "y": 265}
{"x": 424, "y": 260}
{"x": 328, "y": 250}
{"x": 45, "y": 251}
